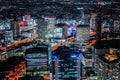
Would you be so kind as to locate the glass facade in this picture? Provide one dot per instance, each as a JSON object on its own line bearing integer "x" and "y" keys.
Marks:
{"x": 67, "y": 64}
{"x": 37, "y": 59}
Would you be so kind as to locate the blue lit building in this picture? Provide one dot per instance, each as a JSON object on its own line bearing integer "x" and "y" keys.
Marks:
{"x": 67, "y": 64}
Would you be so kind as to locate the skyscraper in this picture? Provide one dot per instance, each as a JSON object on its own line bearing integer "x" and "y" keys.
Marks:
{"x": 67, "y": 64}
{"x": 37, "y": 60}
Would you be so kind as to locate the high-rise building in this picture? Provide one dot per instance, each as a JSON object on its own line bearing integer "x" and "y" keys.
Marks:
{"x": 15, "y": 28}
{"x": 67, "y": 64}
{"x": 37, "y": 60}
{"x": 8, "y": 31}
{"x": 82, "y": 34}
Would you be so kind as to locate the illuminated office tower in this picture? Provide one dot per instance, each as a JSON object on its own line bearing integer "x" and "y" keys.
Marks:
{"x": 82, "y": 34}
{"x": 92, "y": 22}
{"x": 37, "y": 60}
{"x": 67, "y": 64}
{"x": 15, "y": 29}
{"x": 9, "y": 36}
